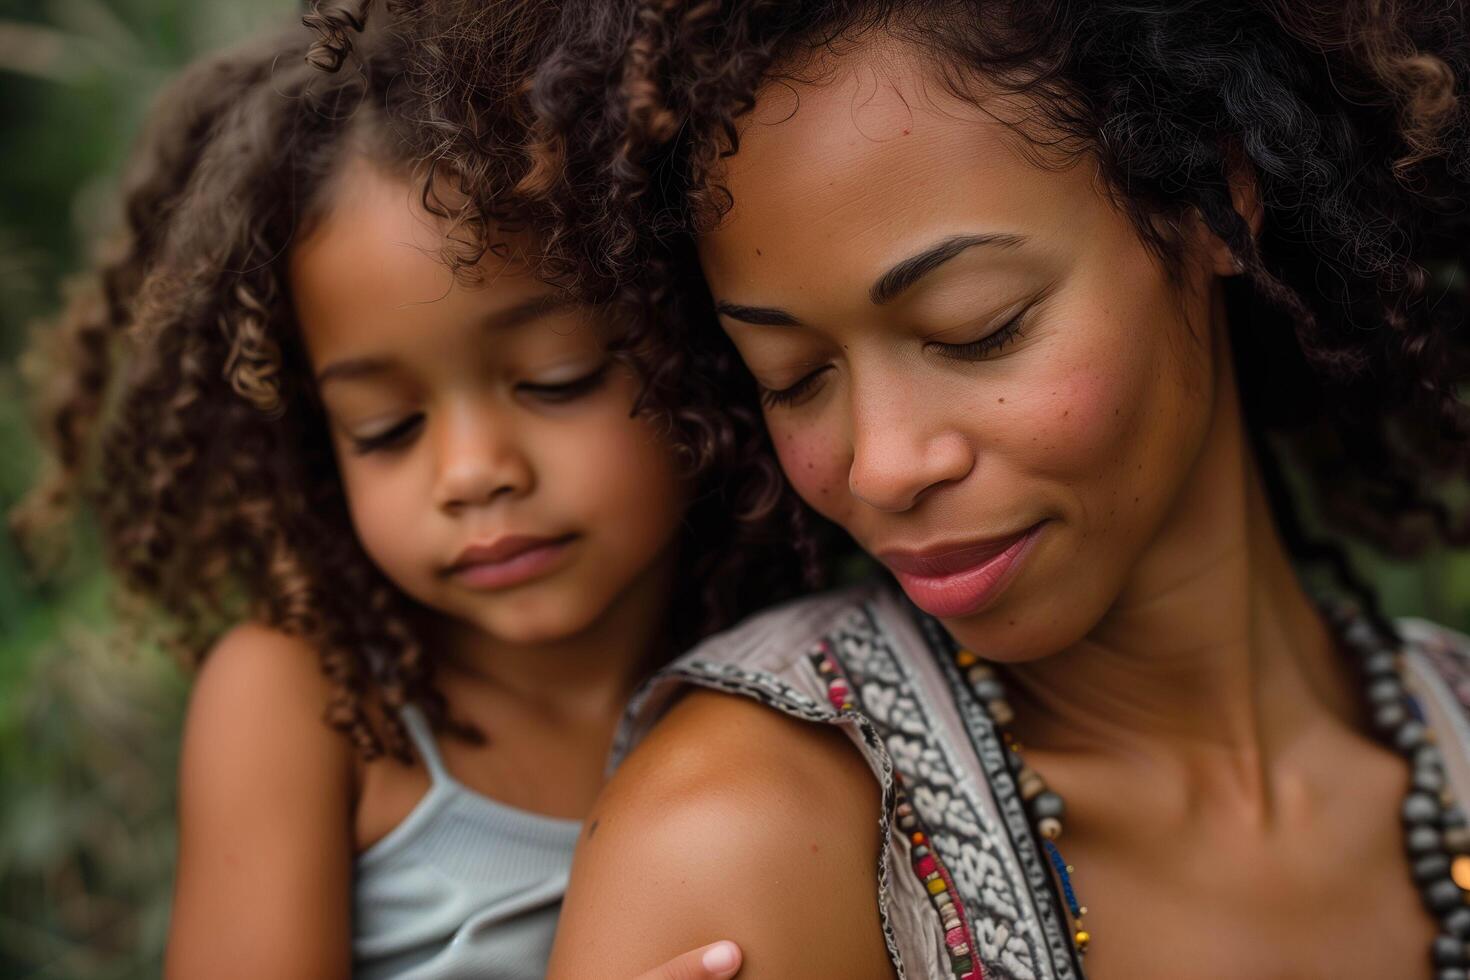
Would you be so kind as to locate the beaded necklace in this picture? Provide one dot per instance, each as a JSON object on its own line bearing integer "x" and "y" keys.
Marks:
{"x": 1436, "y": 830}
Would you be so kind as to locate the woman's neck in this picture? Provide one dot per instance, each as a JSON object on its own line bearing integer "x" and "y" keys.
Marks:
{"x": 1213, "y": 655}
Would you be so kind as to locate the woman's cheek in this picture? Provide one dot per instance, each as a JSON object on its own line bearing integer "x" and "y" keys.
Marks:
{"x": 814, "y": 465}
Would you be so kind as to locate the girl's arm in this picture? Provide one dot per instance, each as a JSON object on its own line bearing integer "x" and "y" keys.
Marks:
{"x": 730, "y": 820}
{"x": 264, "y": 875}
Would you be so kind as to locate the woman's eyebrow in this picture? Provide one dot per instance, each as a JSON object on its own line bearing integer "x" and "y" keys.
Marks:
{"x": 889, "y": 285}
{"x": 910, "y": 270}
{"x": 765, "y": 316}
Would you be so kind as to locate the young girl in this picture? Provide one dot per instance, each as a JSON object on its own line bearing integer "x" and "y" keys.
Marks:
{"x": 423, "y": 505}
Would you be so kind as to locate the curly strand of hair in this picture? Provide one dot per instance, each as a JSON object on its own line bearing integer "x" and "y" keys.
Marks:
{"x": 336, "y": 24}
{"x": 253, "y": 364}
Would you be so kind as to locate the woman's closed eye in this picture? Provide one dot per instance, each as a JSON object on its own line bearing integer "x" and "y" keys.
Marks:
{"x": 558, "y": 392}
{"x": 395, "y": 436}
{"x": 986, "y": 346}
{"x": 793, "y": 394}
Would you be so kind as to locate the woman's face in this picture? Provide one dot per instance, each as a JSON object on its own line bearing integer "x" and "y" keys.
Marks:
{"x": 969, "y": 360}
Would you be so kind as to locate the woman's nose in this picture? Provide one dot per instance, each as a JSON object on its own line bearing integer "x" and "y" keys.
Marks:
{"x": 899, "y": 454}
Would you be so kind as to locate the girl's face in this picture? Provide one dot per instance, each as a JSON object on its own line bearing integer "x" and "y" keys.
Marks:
{"x": 492, "y": 465}
{"x": 969, "y": 360}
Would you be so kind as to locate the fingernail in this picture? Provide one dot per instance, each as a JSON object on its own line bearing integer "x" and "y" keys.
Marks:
{"x": 720, "y": 957}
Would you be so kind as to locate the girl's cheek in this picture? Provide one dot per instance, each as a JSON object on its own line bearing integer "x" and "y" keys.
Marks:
{"x": 814, "y": 465}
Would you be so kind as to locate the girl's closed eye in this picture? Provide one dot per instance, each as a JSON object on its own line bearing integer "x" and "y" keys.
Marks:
{"x": 395, "y": 436}
{"x": 556, "y": 392}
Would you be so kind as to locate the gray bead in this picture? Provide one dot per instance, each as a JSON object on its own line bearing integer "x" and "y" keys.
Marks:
{"x": 1410, "y": 736}
{"x": 1457, "y": 923}
{"x": 1430, "y": 867}
{"x": 1450, "y": 973}
{"x": 1453, "y": 817}
{"x": 1388, "y": 717}
{"x": 1430, "y": 780}
{"x": 1379, "y": 664}
{"x": 989, "y": 690}
{"x": 1385, "y": 690}
{"x": 1443, "y": 895}
{"x": 1422, "y": 839}
{"x": 1420, "y": 808}
{"x": 1360, "y": 635}
{"x": 1448, "y": 951}
{"x": 1427, "y": 756}
{"x": 1048, "y": 804}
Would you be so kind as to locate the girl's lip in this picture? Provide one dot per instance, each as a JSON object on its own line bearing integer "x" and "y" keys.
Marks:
{"x": 509, "y": 562}
{"x": 954, "y": 581}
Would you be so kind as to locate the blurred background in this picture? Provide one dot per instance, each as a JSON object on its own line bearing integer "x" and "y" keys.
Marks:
{"x": 88, "y": 727}
{"x": 88, "y": 731}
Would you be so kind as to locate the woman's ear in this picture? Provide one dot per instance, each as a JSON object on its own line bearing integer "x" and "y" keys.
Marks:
{"x": 1245, "y": 198}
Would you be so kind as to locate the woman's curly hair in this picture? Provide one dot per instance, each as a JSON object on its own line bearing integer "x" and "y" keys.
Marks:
{"x": 178, "y": 404}
{"x": 1349, "y": 318}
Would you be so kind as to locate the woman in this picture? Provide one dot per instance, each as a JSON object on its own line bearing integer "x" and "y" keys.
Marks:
{"x": 1034, "y": 293}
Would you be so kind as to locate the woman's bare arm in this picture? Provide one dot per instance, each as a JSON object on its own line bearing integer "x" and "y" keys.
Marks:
{"x": 263, "y": 885}
{"x": 730, "y": 821}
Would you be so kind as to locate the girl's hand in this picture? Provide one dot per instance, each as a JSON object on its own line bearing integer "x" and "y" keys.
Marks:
{"x": 717, "y": 961}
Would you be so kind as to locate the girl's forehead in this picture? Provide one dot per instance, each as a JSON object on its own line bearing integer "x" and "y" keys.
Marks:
{"x": 371, "y": 273}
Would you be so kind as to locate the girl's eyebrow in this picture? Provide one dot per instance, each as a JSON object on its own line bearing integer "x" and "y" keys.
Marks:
{"x": 352, "y": 368}
{"x": 528, "y": 310}
{"x": 900, "y": 277}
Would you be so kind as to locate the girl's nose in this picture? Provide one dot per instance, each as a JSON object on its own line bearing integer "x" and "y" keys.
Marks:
{"x": 480, "y": 458}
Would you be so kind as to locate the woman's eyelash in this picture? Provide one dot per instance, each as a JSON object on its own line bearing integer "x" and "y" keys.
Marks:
{"x": 567, "y": 390}
{"x": 989, "y": 344}
{"x": 775, "y": 398}
{"x": 388, "y": 438}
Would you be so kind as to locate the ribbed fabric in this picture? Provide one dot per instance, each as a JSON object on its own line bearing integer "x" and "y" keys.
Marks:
{"x": 463, "y": 887}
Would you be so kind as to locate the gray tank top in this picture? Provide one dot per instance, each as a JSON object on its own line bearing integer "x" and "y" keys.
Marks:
{"x": 464, "y": 887}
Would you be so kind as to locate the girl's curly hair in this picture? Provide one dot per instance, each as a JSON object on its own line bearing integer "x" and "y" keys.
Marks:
{"x": 177, "y": 401}
{"x": 1349, "y": 319}
{"x": 472, "y": 70}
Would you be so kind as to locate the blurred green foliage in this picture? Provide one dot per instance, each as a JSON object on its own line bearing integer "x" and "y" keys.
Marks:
{"x": 88, "y": 733}
{"x": 88, "y": 737}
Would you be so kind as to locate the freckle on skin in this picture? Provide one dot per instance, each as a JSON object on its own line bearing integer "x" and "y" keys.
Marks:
{"x": 1001, "y": 400}
{"x": 759, "y": 252}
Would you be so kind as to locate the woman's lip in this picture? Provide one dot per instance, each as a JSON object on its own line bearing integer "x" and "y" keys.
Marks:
{"x": 524, "y": 563}
{"x": 952, "y": 582}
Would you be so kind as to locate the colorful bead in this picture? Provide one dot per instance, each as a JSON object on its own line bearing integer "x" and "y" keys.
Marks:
{"x": 1460, "y": 871}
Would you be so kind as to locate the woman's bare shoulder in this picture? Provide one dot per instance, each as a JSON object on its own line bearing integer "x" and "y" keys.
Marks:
{"x": 731, "y": 820}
